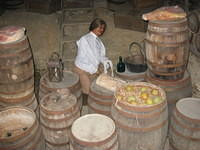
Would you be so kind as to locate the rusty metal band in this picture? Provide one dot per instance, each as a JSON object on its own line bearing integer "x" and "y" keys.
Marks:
{"x": 110, "y": 148}
{"x": 139, "y": 109}
{"x": 184, "y": 126}
{"x": 168, "y": 33}
{"x": 16, "y": 44}
{"x": 17, "y": 64}
{"x": 45, "y": 110}
{"x": 183, "y": 136}
{"x": 133, "y": 77}
{"x": 179, "y": 114}
{"x": 16, "y": 54}
{"x": 168, "y": 83}
{"x": 167, "y": 74}
{"x": 61, "y": 119}
{"x": 89, "y": 144}
{"x": 169, "y": 24}
{"x": 54, "y": 129}
{"x": 56, "y": 144}
{"x": 142, "y": 116}
{"x": 167, "y": 44}
{"x": 92, "y": 93}
{"x": 141, "y": 129}
{"x": 98, "y": 111}
{"x": 106, "y": 103}
{"x": 166, "y": 65}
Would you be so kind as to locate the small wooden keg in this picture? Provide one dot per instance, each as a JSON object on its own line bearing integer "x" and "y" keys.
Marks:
{"x": 141, "y": 126}
{"x": 184, "y": 133}
{"x": 57, "y": 113}
{"x": 20, "y": 129}
{"x": 93, "y": 132}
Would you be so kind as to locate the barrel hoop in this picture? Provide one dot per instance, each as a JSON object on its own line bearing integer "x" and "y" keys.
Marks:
{"x": 183, "y": 125}
{"x": 141, "y": 129}
{"x": 54, "y": 129}
{"x": 15, "y": 54}
{"x": 183, "y": 136}
{"x": 166, "y": 66}
{"x": 167, "y": 44}
{"x": 185, "y": 117}
{"x": 169, "y": 24}
{"x": 141, "y": 116}
{"x": 168, "y": 83}
{"x": 167, "y": 74}
{"x": 133, "y": 77}
{"x": 18, "y": 64}
{"x": 168, "y": 33}
{"x": 23, "y": 41}
{"x": 139, "y": 109}
{"x": 89, "y": 144}
{"x": 56, "y": 144}
{"x": 98, "y": 111}
{"x": 175, "y": 89}
{"x": 92, "y": 93}
{"x": 106, "y": 103}
{"x": 62, "y": 119}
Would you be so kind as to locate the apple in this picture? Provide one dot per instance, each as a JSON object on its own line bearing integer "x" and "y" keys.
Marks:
{"x": 154, "y": 92}
{"x": 157, "y": 100}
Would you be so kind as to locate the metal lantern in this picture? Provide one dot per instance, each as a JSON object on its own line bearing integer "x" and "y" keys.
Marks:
{"x": 55, "y": 68}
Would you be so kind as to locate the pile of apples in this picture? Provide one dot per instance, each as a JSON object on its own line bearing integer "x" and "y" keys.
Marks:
{"x": 139, "y": 95}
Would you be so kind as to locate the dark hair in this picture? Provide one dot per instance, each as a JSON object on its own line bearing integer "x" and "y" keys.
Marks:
{"x": 97, "y": 23}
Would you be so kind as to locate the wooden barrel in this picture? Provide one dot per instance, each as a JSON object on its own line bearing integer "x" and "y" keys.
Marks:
{"x": 20, "y": 130}
{"x": 184, "y": 133}
{"x": 93, "y": 132}
{"x": 167, "y": 48}
{"x": 194, "y": 21}
{"x": 16, "y": 71}
{"x": 141, "y": 126}
{"x": 57, "y": 113}
{"x": 99, "y": 100}
{"x": 70, "y": 81}
{"x": 175, "y": 90}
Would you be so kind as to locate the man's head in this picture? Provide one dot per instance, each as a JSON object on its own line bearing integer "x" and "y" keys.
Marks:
{"x": 97, "y": 26}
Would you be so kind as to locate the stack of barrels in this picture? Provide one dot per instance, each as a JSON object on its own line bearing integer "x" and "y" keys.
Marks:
{"x": 167, "y": 53}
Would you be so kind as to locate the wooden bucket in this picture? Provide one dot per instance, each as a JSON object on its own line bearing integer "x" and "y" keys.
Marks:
{"x": 70, "y": 81}
{"x": 167, "y": 48}
{"x": 184, "y": 133}
{"x": 16, "y": 71}
{"x": 99, "y": 100}
{"x": 20, "y": 130}
{"x": 141, "y": 126}
{"x": 93, "y": 132}
{"x": 175, "y": 90}
{"x": 57, "y": 113}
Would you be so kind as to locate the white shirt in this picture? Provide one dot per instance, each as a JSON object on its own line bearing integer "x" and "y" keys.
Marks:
{"x": 91, "y": 52}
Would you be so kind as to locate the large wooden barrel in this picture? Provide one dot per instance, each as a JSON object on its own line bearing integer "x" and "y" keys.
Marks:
{"x": 185, "y": 125}
{"x": 141, "y": 126}
{"x": 57, "y": 113}
{"x": 167, "y": 48}
{"x": 20, "y": 129}
{"x": 70, "y": 81}
{"x": 99, "y": 100}
{"x": 93, "y": 132}
{"x": 175, "y": 90}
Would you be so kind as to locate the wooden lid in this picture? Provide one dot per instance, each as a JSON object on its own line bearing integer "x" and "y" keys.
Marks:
{"x": 15, "y": 121}
{"x": 93, "y": 128}
{"x": 189, "y": 107}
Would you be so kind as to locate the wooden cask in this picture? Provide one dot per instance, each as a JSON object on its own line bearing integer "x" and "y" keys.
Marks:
{"x": 20, "y": 129}
{"x": 141, "y": 126}
{"x": 184, "y": 133}
{"x": 70, "y": 81}
{"x": 167, "y": 48}
{"x": 99, "y": 100}
{"x": 93, "y": 132}
{"x": 57, "y": 113}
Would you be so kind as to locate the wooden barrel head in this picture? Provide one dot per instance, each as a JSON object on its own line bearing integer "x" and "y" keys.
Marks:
{"x": 93, "y": 128}
{"x": 189, "y": 107}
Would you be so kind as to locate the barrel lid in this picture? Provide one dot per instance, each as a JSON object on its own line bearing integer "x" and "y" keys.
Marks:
{"x": 14, "y": 121}
{"x": 93, "y": 128}
{"x": 189, "y": 107}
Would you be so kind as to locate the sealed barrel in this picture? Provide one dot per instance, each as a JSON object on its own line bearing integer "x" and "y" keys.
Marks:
{"x": 93, "y": 132}
{"x": 57, "y": 113}
{"x": 99, "y": 100}
{"x": 184, "y": 133}
{"x": 140, "y": 113}
{"x": 20, "y": 129}
{"x": 70, "y": 81}
{"x": 167, "y": 48}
